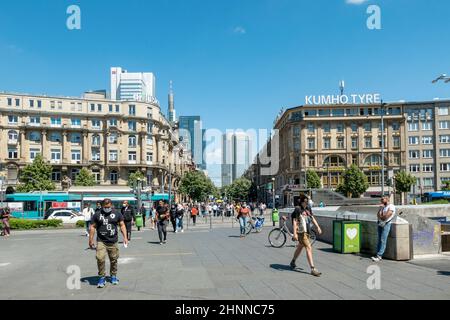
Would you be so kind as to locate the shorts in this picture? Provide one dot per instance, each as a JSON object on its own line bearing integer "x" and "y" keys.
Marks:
{"x": 303, "y": 239}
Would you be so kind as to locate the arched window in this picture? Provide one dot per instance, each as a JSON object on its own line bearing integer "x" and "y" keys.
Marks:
{"x": 114, "y": 177}
{"x": 334, "y": 161}
{"x": 13, "y": 135}
{"x": 132, "y": 141}
{"x": 96, "y": 140}
{"x": 34, "y": 136}
{"x": 373, "y": 160}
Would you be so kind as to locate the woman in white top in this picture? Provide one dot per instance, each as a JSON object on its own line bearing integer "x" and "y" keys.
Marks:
{"x": 88, "y": 212}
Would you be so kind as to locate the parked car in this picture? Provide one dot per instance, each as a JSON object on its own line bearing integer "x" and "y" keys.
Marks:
{"x": 51, "y": 210}
{"x": 67, "y": 216}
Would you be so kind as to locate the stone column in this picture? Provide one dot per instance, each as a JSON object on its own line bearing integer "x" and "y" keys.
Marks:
{"x": 44, "y": 147}
{"x": 85, "y": 150}
{"x": 23, "y": 146}
{"x": 65, "y": 148}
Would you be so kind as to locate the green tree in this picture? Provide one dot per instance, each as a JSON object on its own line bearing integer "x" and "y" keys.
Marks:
{"x": 355, "y": 182}
{"x": 134, "y": 177}
{"x": 447, "y": 186}
{"x": 313, "y": 180}
{"x": 85, "y": 178}
{"x": 240, "y": 189}
{"x": 403, "y": 183}
{"x": 197, "y": 186}
{"x": 36, "y": 176}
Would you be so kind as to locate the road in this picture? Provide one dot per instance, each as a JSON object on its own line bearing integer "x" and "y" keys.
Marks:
{"x": 205, "y": 264}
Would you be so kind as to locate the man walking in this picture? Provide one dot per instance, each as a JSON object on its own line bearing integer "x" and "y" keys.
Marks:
{"x": 173, "y": 217}
{"x": 162, "y": 218}
{"x": 386, "y": 215}
{"x": 144, "y": 214}
{"x": 105, "y": 222}
{"x": 128, "y": 216}
{"x": 88, "y": 212}
{"x": 180, "y": 215}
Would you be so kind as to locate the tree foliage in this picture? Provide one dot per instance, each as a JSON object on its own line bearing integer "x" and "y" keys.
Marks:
{"x": 197, "y": 186}
{"x": 313, "y": 180}
{"x": 85, "y": 178}
{"x": 240, "y": 189}
{"x": 355, "y": 182}
{"x": 404, "y": 181}
{"x": 36, "y": 176}
{"x": 134, "y": 177}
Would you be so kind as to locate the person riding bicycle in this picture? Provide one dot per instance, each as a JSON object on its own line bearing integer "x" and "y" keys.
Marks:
{"x": 300, "y": 221}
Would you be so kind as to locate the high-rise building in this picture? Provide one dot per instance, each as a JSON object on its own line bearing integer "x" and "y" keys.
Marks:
{"x": 191, "y": 134}
{"x": 171, "y": 114}
{"x": 139, "y": 86}
{"x": 236, "y": 150}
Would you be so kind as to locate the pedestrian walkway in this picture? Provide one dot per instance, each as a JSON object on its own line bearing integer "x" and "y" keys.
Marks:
{"x": 204, "y": 264}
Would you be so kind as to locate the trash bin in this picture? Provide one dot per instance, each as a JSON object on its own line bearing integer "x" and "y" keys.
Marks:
{"x": 275, "y": 215}
{"x": 347, "y": 236}
{"x": 139, "y": 221}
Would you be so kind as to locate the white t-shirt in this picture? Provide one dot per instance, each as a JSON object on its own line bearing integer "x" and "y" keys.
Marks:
{"x": 390, "y": 207}
{"x": 88, "y": 213}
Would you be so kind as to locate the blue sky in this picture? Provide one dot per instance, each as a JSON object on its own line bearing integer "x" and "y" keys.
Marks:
{"x": 234, "y": 62}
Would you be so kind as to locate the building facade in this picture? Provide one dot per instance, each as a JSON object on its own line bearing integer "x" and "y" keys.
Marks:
{"x": 132, "y": 86}
{"x": 111, "y": 138}
{"x": 329, "y": 138}
{"x": 192, "y": 136}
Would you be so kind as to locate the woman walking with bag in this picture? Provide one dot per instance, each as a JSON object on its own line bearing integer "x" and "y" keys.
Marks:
{"x": 6, "y": 215}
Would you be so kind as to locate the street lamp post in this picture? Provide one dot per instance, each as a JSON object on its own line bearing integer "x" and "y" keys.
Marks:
{"x": 273, "y": 199}
{"x": 383, "y": 110}
{"x": 170, "y": 185}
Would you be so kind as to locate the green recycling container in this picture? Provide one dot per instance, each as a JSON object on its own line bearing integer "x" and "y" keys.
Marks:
{"x": 275, "y": 216}
{"x": 139, "y": 221}
{"x": 346, "y": 236}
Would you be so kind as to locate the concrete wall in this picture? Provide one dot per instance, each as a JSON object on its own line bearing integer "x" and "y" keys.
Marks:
{"x": 399, "y": 246}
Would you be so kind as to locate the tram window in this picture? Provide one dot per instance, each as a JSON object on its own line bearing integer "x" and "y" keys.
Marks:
{"x": 30, "y": 206}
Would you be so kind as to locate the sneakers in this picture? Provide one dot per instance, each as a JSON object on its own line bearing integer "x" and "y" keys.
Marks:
{"x": 101, "y": 283}
{"x": 182, "y": 230}
{"x": 293, "y": 265}
{"x": 165, "y": 241}
{"x": 376, "y": 259}
{"x": 315, "y": 273}
{"x": 161, "y": 243}
{"x": 114, "y": 280}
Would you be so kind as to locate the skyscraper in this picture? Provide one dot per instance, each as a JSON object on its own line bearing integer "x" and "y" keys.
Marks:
{"x": 137, "y": 86}
{"x": 236, "y": 149}
{"x": 191, "y": 134}
{"x": 171, "y": 115}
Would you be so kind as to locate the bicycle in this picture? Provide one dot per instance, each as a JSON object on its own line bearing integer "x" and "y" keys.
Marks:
{"x": 256, "y": 224}
{"x": 278, "y": 236}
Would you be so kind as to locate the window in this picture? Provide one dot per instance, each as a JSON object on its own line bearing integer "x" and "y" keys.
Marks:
{"x": 111, "y": 108}
{"x": 75, "y": 138}
{"x": 95, "y": 154}
{"x": 368, "y": 142}
{"x": 79, "y": 106}
{"x": 76, "y": 122}
{"x": 55, "y": 155}
{"x": 338, "y": 112}
{"x": 311, "y": 128}
{"x": 426, "y": 126}
{"x": 381, "y": 141}
{"x": 117, "y": 108}
{"x": 31, "y": 103}
{"x": 427, "y": 168}
{"x": 333, "y": 161}
{"x": 132, "y": 157}
{"x": 445, "y": 167}
{"x": 311, "y": 143}
{"x": 132, "y": 110}
{"x": 443, "y": 111}
{"x": 39, "y": 104}
{"x": 413, "y": 140}
{"x": 132, "y": 141}
{"x": 354, "y": 159}
{"x": 96, "y": 175}
{"x": 296, "y": 163}
{"x": 113, "y": 155}
{"x": 9, "y": 102}
{"x": 35, "y": 121}
{"x": 114, "y": 177}
{"x": 340, "y": 128}
{"x": 444, "y": 125}
{"x": 427, "y": 140}
{"x": 395, "y": 126}
{"x": 326, "y": 127}
{"x": 17, "y": 102}
{"x": 76, "y": 156}
{"x": 56, "y": 175}
{"x": 296, "y": 144}
{"x": 413, "y": 126}
{"x": 92, "y": 107}
{"x": 74, "y": 173}
{"x": 113, "y": 138}
{"x": 72, "y": 106}
{"x": 149, "y": 158}
{"x": 99, "y": 108}
{"x": 13, "y": 136}
{"x": 367, "y": 127}
{"x": 132, "y": 125}
{"x": 12, "y": 153}
{"x": 445, "y": 153}
{"x": 340, "y": 143}
{"x": 354, "y": 142}
{"x": 113, "y": 122}
{"x": 414, "y": 168}
{"x": 354, "y": 127}
{"x": 55, "y": 122}
{"x": 96, "y": 124}
{"x": 373, "y": 160}
{"x": 396, "y": 141}
{"x": 34, "y": 136}
{"x": 428, "y": 154}
{"x": 444, "y": 139}
{"x": 13, "y": 119}
{"x": 296, "y": 131}
{"x": 149, "y": 140}
{"x": 34, "y": 153}
{"x": 312, "y": 161}
{"x": 414, "y": 154}
{"x": 59, "y": 105}
{"x": 52, "y": 104}
{"x": 396, "y": 159}
{"x": 96, "y": 140}
{"x": 55, "y": 137}
{"x": 428, "y": 182}
{"x": 326, "y": 143}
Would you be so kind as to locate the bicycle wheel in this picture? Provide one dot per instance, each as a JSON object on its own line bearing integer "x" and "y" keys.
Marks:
{"x": 248, "y": 228}
{"x": 277, "y": 238}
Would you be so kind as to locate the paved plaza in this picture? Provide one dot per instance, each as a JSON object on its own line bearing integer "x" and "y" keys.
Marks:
{"x": 206, "y": 264}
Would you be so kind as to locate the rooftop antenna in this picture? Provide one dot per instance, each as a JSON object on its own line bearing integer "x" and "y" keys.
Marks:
{"x": 342, "y": 87}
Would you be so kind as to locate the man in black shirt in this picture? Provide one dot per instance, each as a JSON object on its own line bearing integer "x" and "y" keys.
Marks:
{"x": 162, "y": 218}
{"x": 128, "y": 217}
{"x": 105, "y": 222}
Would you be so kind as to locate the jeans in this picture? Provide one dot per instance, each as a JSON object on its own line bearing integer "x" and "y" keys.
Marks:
{"x": 383, "y": 233}
{"x": 128, "y": 227}
{"x": 88, "y": 225}
{"x": 180, "y": 223}
{"x": 243, "y": 224}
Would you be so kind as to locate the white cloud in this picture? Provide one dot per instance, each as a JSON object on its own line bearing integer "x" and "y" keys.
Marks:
{"x": 357, "y": 2}
{"x": 239, "y": 30}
